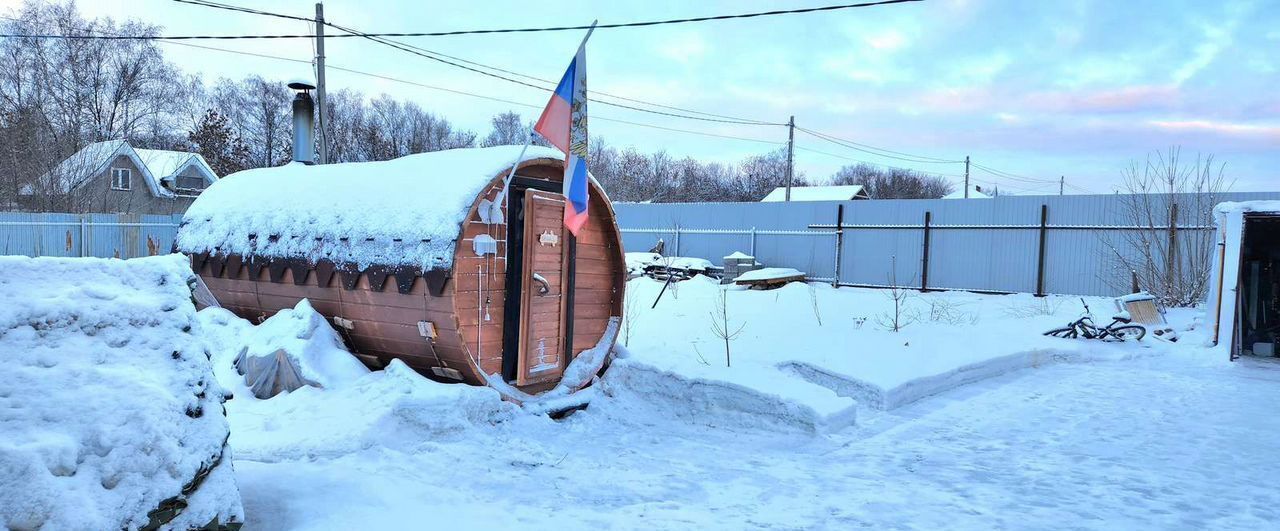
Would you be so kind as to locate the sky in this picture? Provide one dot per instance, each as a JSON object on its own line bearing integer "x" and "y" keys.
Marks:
{"x": 1078, "y": 89}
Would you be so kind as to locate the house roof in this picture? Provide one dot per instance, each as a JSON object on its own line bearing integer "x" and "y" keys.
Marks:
{"x": 975, "y": 192}
{"x": 166, "y": 164}
{"x": 818, "y": 193}
{"x": 156, "y": 165}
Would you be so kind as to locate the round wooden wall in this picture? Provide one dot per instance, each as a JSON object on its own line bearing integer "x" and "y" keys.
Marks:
{"x": 478, "y": 286}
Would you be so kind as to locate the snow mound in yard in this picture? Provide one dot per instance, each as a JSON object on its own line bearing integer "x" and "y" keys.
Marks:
{"x": 292, "y": 348}
{"x": 108, "y": 407}
{"x": 393, "y": 407}
{"x": 750, "y": 398}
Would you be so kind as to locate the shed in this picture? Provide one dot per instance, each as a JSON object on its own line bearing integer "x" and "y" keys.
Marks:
{"x": 406, "y": 259}
{"x": 844, "y": 192}
{"x": 1244, "y": 297}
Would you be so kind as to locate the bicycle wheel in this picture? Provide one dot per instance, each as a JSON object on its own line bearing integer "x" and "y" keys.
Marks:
{"x": 1068, "y": 332}
{"x": 1127, "y": 332}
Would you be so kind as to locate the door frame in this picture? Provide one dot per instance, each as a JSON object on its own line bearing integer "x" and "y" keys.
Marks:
{"x": 515, "y": 275}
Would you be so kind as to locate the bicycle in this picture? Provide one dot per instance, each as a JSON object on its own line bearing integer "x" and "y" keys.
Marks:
{"x": 1085, "y": 327}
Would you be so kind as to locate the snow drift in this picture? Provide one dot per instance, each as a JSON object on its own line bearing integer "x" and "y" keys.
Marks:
{"x": 355, "y": 409}
{"x": 294, "y": 348}
{"x": 111, "y": 417}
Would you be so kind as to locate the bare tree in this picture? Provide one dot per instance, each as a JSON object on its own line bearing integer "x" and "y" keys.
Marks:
{"x": 1164, "y": 193}
{"x": 893, "y": 183}
{"x": 721, "y": 326}
{"x": 901, "y": 317}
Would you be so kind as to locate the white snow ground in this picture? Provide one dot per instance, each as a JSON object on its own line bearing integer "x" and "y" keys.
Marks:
{"x": 1157, "y": 436}
{"x": 1047, "y": 433}
{"x": 1131, "y": 445}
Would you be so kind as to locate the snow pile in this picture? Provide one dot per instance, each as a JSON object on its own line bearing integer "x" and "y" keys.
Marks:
{"x": 392, "y": 407}
{"x": 292, "y": 348}
{"x": 751, "y": 396}
{"x": 814, "y": 346}
{"x": 401, "y": 211}
{"x": 769, "y": 273}
{"x": 637, "y": 263}
{"x": 108, "y": 407}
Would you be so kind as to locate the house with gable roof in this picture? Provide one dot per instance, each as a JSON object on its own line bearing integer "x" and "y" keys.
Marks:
{"x": 114, "y": 177}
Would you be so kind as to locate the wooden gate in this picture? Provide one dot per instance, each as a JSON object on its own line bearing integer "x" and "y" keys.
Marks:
{"x": 542, "y": 308}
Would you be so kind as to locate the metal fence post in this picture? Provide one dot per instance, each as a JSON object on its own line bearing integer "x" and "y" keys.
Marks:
{"x": 753, "y": 242}
{"x": 839, "y": 242}
{"x": 924, "y": 265}
{"x": 677, "y": 241}
{"x": 1044, "y": 229}
{"x": 82, "y": 236}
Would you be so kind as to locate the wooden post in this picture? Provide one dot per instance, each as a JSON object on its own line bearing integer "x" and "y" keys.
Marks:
{"x": 321, "y": 98}
{"x": 924, "y": 265}
{"x": 839, "y": 242}
{"x": 1044, "y": 230}
{"x": 570, "y": 284}
{"x": 791, "y": 143}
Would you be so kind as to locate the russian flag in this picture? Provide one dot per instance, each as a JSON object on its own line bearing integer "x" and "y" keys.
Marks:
{"x": 564, "y": 124}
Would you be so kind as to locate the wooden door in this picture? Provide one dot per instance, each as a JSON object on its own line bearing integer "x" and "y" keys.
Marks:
{"x": 542, "y": 308}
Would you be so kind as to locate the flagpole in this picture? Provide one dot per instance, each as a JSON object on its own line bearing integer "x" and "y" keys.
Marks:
{"x": 506, "y": 183}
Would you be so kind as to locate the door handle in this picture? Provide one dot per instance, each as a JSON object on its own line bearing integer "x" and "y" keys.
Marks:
{"x": 544, "y": 287}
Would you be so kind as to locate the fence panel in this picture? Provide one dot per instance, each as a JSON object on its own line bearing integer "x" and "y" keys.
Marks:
{"x": 100, "y": 235}
{"x": 988, "y": 245}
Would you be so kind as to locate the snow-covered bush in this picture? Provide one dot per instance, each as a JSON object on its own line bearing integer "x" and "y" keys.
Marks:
{"x": 110, "y": 417}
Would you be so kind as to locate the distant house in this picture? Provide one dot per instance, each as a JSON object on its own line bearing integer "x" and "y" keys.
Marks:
{"x": 818, "y": 193}
{"x": 114, "y": 177}
{"x": 975, "y": 192}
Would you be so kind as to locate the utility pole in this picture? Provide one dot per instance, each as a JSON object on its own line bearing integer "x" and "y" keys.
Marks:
{"x": 1062, "y": 181}
{"x": 966, "y": 176}
{"x": 791, "y": 147}
{"x": 320, "y": 98}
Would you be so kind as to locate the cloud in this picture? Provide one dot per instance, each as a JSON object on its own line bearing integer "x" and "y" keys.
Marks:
{"x": 1241, "y": 130}
{"x": 685, "y": 47}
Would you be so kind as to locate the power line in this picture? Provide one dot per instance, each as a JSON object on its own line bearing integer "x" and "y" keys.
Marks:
{"x": 1013, "y": 177}
{"x": 891, "y": 167}
{"x": 880, "y": 152}
{"x": 550, "y": 83}
{"x": 465, "y": 32}
{"x": 425, "y": 54}
{"x": 241, "y": 9}
{"x": 461, "y": 92}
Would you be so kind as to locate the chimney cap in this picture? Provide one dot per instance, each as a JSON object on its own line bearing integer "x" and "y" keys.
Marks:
{"x": 301, "y": 84}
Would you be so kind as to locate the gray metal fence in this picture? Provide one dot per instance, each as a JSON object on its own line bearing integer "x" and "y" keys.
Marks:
{"x": 1049, "y": 244}
{"x": 101, "y": 235}
{"x": 1045, "y": 244}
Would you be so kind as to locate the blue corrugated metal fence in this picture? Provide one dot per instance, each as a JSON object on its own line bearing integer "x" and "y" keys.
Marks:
{"x": 101, "y": 235}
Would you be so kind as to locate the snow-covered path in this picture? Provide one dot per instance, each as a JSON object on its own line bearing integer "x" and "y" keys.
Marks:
{"x": 1108, "y": 445}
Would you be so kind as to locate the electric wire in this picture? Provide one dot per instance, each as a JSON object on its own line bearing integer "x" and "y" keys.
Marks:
{"x": 880, "y": 152}
{"x": 466, "y": 32}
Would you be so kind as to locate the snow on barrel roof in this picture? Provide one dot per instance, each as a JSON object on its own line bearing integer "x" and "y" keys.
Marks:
{"x": 400, "y": 211}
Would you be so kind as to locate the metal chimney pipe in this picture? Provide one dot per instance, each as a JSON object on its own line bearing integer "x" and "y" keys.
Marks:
{"x": 303, "y": 115}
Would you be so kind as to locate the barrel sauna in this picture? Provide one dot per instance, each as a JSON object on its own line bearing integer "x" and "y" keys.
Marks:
{"x": 424, "y": 259}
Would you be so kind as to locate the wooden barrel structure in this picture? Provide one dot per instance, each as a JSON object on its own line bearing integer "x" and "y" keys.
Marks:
{"x": 424, "y": 259}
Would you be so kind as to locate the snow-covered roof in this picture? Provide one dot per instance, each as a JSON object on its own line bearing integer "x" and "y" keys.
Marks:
{"x": 167, "y": 164}
{"x": 975, "y": 192}
{"x": 110, "y": 405}
{"x": 843, "y": 192}
{"x": 156, "y": 165}
{"x": 405, "y": 211}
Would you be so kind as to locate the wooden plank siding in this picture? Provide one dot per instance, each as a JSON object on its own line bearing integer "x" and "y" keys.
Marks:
{"x": 468, "y": 316}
